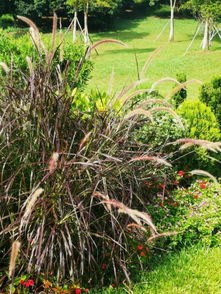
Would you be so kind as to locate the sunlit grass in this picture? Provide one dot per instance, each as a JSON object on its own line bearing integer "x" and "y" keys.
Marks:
{"x": 193, "y": 271}
{"x": 140, "y": 34}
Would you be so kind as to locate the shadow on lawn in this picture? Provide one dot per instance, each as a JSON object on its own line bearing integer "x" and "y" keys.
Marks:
{"x": 123, "y": 35}
{"x": 130, "y": 50}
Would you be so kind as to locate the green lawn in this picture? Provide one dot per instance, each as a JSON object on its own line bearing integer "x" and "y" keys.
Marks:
{"x": 140, "y": 34}
{"x": 193, "y": 271}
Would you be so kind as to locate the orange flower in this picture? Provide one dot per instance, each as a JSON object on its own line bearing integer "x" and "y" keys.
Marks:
{"x": 202, "y": 186}
{"x": 46, "y": 284}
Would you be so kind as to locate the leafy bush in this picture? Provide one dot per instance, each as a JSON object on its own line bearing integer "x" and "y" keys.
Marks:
{"x": 193, "y": 212}
{"x": 181, "y": 95}
{"x": 13, "y": 51}
{"x": 163, "y": 130}
{"x": 211, "y": 96}
{"x": 165, "y": 127}
{"x": 201, "y": 121}
{"x": 6, "y": 20}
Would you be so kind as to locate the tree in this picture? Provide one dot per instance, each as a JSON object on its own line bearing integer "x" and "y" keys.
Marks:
{"x": 172, "y": 4}
{"x": 209, "y": 12}
{"x": 75, "y": 4}
{"x": 85, "y": 5}
{"x": 172, "y": 8}
{"x": 36, "y": 8}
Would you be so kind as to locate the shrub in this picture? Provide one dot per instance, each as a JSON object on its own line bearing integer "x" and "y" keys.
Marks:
{"x": 194, "y": 213}
{"x": 14, "y": 52}
{"x": 164, "y": 129}
{"x": 181, "y": 95}
{"x": 6, "y": 20}
{"x": 201, "y": 121}
{"x": 72, "y": 186}
{"x": 211, "y": 96}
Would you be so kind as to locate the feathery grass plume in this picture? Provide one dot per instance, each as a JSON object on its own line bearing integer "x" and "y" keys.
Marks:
{"x": 151, "y": 158}
{"x": 5, "y": 67}
{"x": 51, "y": 52}
{"x": 134, "y": 94}
{"x": 30, "y": 202}
{"x": 204, "y": 173}
{"x": 13, "y": 257}
{"x": 29, "y": 22}
{"x": 54, "y": 30}
{"x": 181, "y": 86}
{"x": 188, "y": 142}
{"x": 105, "y": 197}
{"x": 84, "y": 140}
{"x": 34, "y": 32}
{"x": 169, "y": 110}
{"x": 166, "y": 234}
{"x": 149, "y": 60}
{"x": 111, "y": 81}
{"x": 154, "y": 101}
{"x": 135, "y": 226}
{"x": 139, "y": 111}
{"x": 94, "y": 46}
{"x": 61, "y": 44}
{"x": 136, "y": 215}
{"x": 167, "y": 79}
{"x": 130, "y": 87}
{"x": 53, "y": 162}
{"x": 30, "y": 65}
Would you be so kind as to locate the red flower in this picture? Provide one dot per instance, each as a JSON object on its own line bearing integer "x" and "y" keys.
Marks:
{"x": 142, "y": 253}
{"x": 29, "y": 283}
{"x": 195, "y": 196}
{"x": 147, "y": 249}
{"x": 22, "y": 282}
{"x": 86, "y": 290}
{"x": 181, "y": 173}
{"x": 161, "y": 204}
{"x": 103, "y": 266}
{"x": 202, "y": 186}
{"x": 162, "y": 186}
{"x": 140, "y": 247}
{"x": 113, "y": 285}
{"x": 77, "y": 291}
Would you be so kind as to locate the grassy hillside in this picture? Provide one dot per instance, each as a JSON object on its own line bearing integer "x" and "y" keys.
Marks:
{"x": 140, "y": 35}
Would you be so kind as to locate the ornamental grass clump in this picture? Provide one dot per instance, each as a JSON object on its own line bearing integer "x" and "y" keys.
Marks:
{"x": 72, "y": 186}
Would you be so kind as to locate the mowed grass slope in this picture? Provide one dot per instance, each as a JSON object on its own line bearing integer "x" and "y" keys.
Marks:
{"x": 140, "y": 36}
{"x": 193, "y": 271}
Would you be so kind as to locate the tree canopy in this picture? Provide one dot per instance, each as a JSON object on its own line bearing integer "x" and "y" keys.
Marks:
{"x": 205, "y": 9}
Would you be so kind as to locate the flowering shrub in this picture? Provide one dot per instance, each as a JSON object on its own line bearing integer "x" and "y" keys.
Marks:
{"x": 193, "y": 212}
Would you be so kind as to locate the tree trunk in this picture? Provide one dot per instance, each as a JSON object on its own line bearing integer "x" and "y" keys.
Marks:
{"x": 172, "y": 7}
{"x": 86, "y": 34}
{"x": 205, "y": 43}
{"x": 75, "y": 26}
